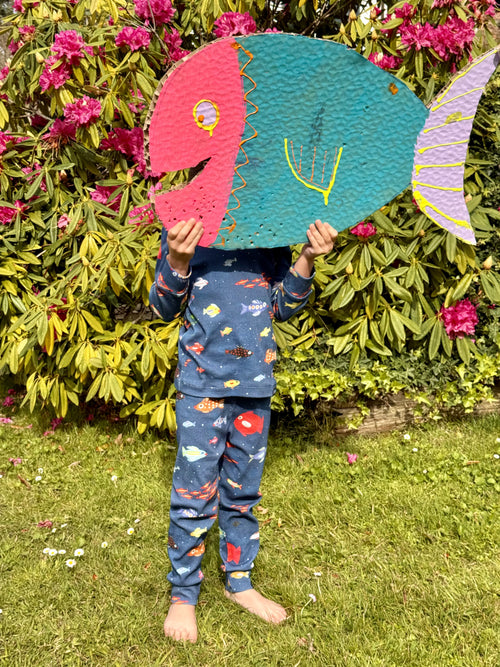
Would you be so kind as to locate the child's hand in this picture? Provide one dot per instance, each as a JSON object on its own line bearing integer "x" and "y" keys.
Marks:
{"x": 182, "y": 240}
{"x": 321, "y": 238}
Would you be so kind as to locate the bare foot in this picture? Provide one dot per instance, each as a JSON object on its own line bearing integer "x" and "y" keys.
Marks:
{"x": 180, "y": 623}
{"x": 257, "y": 604}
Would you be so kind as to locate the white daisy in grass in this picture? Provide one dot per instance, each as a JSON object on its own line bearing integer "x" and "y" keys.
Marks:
{"x": 70, "y": 562}
{"x": 415, "y": 449}
{"x": 104, "y": 545}
{"x": 114, "y": 478}
{"x": 312, "y": 596}
{"x": 498, "y": 440}
{"x": 407, "y": 436}
{"x": 61, "y": 552}
{"x": 137, "y": 521}
{"x": 78, "y": 553}
{"x": 38, "y": 478}
{"x": 130, "y": 531}
{"x": 53, "y": 530}
{"x": 40, "y": 471}
{"x": 496, "y": 456}
{"x": 63, "y": 525}
{"x": 52, "y": 552}
{"x": 46, "y": 550}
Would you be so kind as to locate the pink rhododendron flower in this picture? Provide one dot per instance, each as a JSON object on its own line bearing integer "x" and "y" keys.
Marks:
{"x": 482, "y": 9}
{"x": 8, "y": 401}
{"x": 364, "y": 229}
{"x": 27, "y": 32}
{"x": 70, "y": 46}
{"x": 4, "y": 72}
{"x": 83, "y": 112}
{"x": 15, "y": 46}
{"x": 16, "y": 461}
{"x": 136, "y": 107}
{"x": 6, "y": 420}
{"x": 5, "y": 139}
{"x": 131, "y": 144}
{"x": 32, "y": 173}
{"x": 141, "y": 216}
{"x": 459, "y": 320}
{"x": 57, "y": 76}
{"x": 134, "y": 38}
{"x": 272, "y": 30}
{"x": 385, "y": 62}
{"x": 63, "y": 221}
{"x": 407, "y": 11}
{"x": 161, "y": 11}
{"x": 173, "y": 42}
{"x": 453, "y": 37}
{"x": 351, "y": 458}
{"x": 7, "y": 215}
{"x": 417, "y": 35}
{"x": 60, "y": 132}
{"x": 44, "y": 524}
{"x": 103, "y": 194}
{"x": 154, "y": 189}
{"x": 234, "y": 23}
{"x": 17, "y": 6}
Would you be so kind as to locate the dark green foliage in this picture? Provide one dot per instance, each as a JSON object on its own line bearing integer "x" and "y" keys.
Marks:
{"x": 75, "y": 274}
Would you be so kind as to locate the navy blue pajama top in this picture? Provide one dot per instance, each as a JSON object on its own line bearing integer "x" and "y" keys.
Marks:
{"x": 226, "y": 344}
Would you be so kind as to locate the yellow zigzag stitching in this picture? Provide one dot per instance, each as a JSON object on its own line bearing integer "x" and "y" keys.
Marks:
{"x": 243, "y": 164}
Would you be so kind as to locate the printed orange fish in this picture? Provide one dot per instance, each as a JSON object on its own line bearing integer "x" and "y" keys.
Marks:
{"x": 197, "y": 551}
{"x": 197, "y": 348}
{"x": 240, "y": 352}
{"x": 233, "y": 484}
{"x": 241, "y": 508}
{"x": 206, "y": 492}
{"x": 233, "y": 553}
{"x": 207, "y": 405}
{"x": 248, "y": 423}
{"x": 270, "y": 356}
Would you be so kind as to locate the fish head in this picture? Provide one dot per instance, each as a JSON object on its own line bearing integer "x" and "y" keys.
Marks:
{"x": 196, "y": 123}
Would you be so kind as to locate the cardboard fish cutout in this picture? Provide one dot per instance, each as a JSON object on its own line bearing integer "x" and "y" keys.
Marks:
{"x": 287, "y": 129}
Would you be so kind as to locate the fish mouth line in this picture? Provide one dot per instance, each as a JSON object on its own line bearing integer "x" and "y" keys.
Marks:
{"x": 187, "y": 175}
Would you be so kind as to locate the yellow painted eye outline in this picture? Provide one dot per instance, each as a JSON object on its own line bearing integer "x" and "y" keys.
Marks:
{"x": 206, "y": 115}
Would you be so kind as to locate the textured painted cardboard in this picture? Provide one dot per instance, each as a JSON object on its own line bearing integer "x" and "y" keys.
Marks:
{"x": 289, "y": 129}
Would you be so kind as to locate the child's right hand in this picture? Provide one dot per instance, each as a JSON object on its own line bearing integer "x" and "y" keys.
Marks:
{"x": 182, "y": 240}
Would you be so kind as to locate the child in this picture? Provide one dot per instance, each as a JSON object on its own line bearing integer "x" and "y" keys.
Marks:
{"x": 224, "y": 381}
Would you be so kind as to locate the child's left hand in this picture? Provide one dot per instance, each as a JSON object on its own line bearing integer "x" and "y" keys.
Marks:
{"x": 321, "y": 239}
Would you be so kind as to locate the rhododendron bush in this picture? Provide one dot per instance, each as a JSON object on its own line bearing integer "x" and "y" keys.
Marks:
{"x": 79, "y": 237}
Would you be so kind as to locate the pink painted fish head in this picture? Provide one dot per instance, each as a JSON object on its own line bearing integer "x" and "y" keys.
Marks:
{"x": 199, "y": 118}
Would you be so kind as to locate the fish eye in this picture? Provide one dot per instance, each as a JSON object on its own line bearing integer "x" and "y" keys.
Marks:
{"x": 206, "y": 115}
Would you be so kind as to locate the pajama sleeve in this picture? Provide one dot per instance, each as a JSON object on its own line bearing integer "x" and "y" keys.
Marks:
{"x": 291, "y": 291}
{"x": 169, "y": 291}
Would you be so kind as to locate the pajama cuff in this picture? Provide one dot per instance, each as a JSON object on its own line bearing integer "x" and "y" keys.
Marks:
{"x": 237, "y": 582}
{"x": 185, "y": 594}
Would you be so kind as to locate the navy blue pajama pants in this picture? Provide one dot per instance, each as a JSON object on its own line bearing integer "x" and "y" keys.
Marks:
{"x": 221, "y": 450}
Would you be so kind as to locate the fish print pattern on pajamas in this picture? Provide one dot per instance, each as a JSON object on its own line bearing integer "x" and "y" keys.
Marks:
{"x": 283, "y": 143}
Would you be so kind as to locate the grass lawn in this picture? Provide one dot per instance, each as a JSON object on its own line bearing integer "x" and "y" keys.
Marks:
{"x": 392, "y": 560}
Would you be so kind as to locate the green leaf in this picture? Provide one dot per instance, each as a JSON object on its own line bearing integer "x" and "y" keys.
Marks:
{"x": 435, "y": 339}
